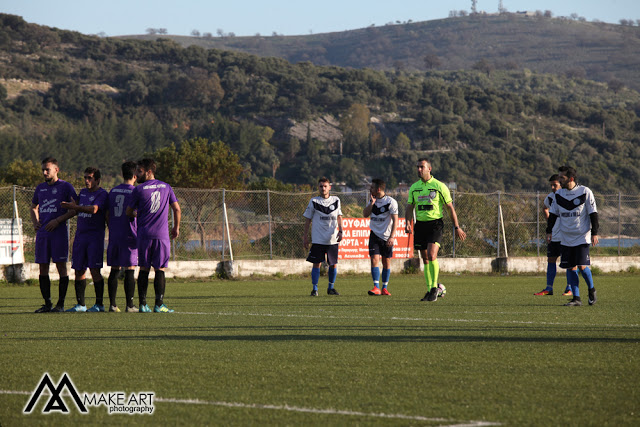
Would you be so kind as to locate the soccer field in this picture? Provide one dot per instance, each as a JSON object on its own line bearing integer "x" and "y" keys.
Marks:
{"x": 263, "y": 352}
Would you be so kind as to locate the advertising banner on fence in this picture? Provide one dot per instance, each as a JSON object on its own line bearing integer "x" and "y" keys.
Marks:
{"x": 11, "y": 248}
{"x": 355, "y": 240}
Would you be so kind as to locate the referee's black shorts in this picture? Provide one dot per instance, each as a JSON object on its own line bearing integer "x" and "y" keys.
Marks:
{"x": 426, "y": 232}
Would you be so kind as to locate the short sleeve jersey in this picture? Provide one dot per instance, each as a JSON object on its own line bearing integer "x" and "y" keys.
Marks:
{"x": 152, "y": 199}
{"x": 323, "y": 214}
{"x": 555, "y": 233}
{"x": 429, "y": 198}
{"x": 48, "y": 198}
{"x": 381, "y": 212}
{"x": 573, "y": 208}
{"x": 122, "y": 228}
{"x": 91, "y": 223}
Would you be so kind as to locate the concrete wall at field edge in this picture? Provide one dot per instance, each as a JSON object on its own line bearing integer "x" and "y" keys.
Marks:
{"x": 244, "y": 268}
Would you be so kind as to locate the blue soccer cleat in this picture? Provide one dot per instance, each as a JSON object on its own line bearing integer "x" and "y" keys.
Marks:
{"x": 77, "y": 309}
{"x": 144, "y": 309}
{"x": 162, "y": 309}
{"x": 96, "y": 309}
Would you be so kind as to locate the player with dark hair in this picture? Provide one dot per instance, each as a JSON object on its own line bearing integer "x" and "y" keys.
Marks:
{"x": 429, "y": 197}
{"x": 383, "y": 211}
{"x": 88, "y": 245}
{"x": 150, "y": 203}
{"x": 49, "y": 220}
{"x": 324, "y": 214}
{"x": 122, "y": 250}
{"x": 574, "y": 208}
{"x": 554, "y": 246}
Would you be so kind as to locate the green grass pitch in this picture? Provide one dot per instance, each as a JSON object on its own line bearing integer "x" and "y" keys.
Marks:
{"x": 263, "y": 352}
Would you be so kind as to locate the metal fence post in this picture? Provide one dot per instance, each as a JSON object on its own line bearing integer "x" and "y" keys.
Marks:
{"x": 270, "y": 231}
{"x": 498, "y": 223}
{"x": 619, "y": 220}
{"x": 453, "y": 227}
{"x": 538, "y": 222}
{"x": 223, "y": 241}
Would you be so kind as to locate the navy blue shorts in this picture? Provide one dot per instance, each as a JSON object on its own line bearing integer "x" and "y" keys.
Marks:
{"x": 320, "y": 253}
{"x": 554, "y": 249}
{"x": 573, "y": 256}
{"x": 378, "y": 246}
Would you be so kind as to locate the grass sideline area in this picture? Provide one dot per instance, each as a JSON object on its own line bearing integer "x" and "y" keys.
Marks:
{"x": 264, "y": 352}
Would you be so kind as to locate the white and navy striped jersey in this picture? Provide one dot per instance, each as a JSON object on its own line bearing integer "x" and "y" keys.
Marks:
{"x": 323, "y": 214}
{"x": 381, "y": 212}
{"x": 573, "y": 208}
{"x": 556, "y": 235}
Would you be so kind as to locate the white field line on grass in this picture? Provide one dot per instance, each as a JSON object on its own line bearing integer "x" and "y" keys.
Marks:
{"x": 415, "y": 319}
{"x": 330, "y": 411}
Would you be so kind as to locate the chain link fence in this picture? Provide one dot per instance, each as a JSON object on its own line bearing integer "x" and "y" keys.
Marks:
{"x": 269, "y": 224}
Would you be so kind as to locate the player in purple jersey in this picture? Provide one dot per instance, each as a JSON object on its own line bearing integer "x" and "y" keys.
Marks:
{"x": 88, "y": 245}
{"x": 122, "y": 250}
{"x": 150, "y": 203}
{"x": 52, "y": 239}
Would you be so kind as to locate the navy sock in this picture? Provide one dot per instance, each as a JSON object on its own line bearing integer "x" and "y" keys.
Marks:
{"x": 375, "y": 275}
{"x": 586, "y": 274}
{"x": 386, "y": 274}
{"x": 315, "y": 277}
{"x": 333, "y": 273}
{"x": 551, "y": 275}
{"x": 572, "y": 279}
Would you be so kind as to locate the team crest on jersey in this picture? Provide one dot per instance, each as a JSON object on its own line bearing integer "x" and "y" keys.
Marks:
{"x": 326, "y": 209}
{"x": 91, "y": 198}
{"x": 576, "y": 202}
{"x": 432, "y": 194}
{"x": 54, "y": 191}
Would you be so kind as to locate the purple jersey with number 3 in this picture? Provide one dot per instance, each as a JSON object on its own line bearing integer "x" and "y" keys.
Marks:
{"x": 122, "y": 229}
{"x": 152, "y": 199}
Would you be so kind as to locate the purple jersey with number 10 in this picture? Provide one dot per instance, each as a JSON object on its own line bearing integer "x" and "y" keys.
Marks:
{"x": 152, "y": 199}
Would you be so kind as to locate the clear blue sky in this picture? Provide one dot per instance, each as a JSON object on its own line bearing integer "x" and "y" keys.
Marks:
{"x": 246, "y": 18}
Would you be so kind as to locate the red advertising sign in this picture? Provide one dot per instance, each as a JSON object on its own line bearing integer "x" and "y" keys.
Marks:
{"x": 355, "y": 240}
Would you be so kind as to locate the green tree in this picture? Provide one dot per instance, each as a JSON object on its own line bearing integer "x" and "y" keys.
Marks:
{"x": 23, "y": 173}
{"x": 198, "y": 163}
{"x": 355, "y": 128}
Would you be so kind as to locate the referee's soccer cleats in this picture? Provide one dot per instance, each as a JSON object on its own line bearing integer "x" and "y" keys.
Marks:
{"x": 77, "y": 309}
{"x": 574, "y": 303}
{"x": 332, "y": 292}
{"x": 162, "y": 309}
{"x": 314, "y": 293}
{"x": 96, "y": 309}
{"x": 544, "y": 292}
{"x": 144, "y": 309}
{"x": 375, "y": 291}
{"x": 58, "y": 309}
{"x": 46, "y": 308}
{"x": 592, "y": 296}
{"x": 384, "y": 291}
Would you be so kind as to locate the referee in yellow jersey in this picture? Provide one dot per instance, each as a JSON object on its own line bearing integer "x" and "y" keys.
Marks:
{"x": 428, "y": 197}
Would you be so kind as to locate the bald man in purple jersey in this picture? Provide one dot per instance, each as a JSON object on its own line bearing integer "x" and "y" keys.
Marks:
{"x": 150, "y": 203}
{"x": 122, "y": 251}
{"x": 49, "y": 220}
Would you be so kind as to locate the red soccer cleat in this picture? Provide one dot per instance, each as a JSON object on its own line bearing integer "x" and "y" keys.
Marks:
{"x": 544, "y": 292}
{"x": 385, "y": 292}
{"x": 375, "y": 291}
